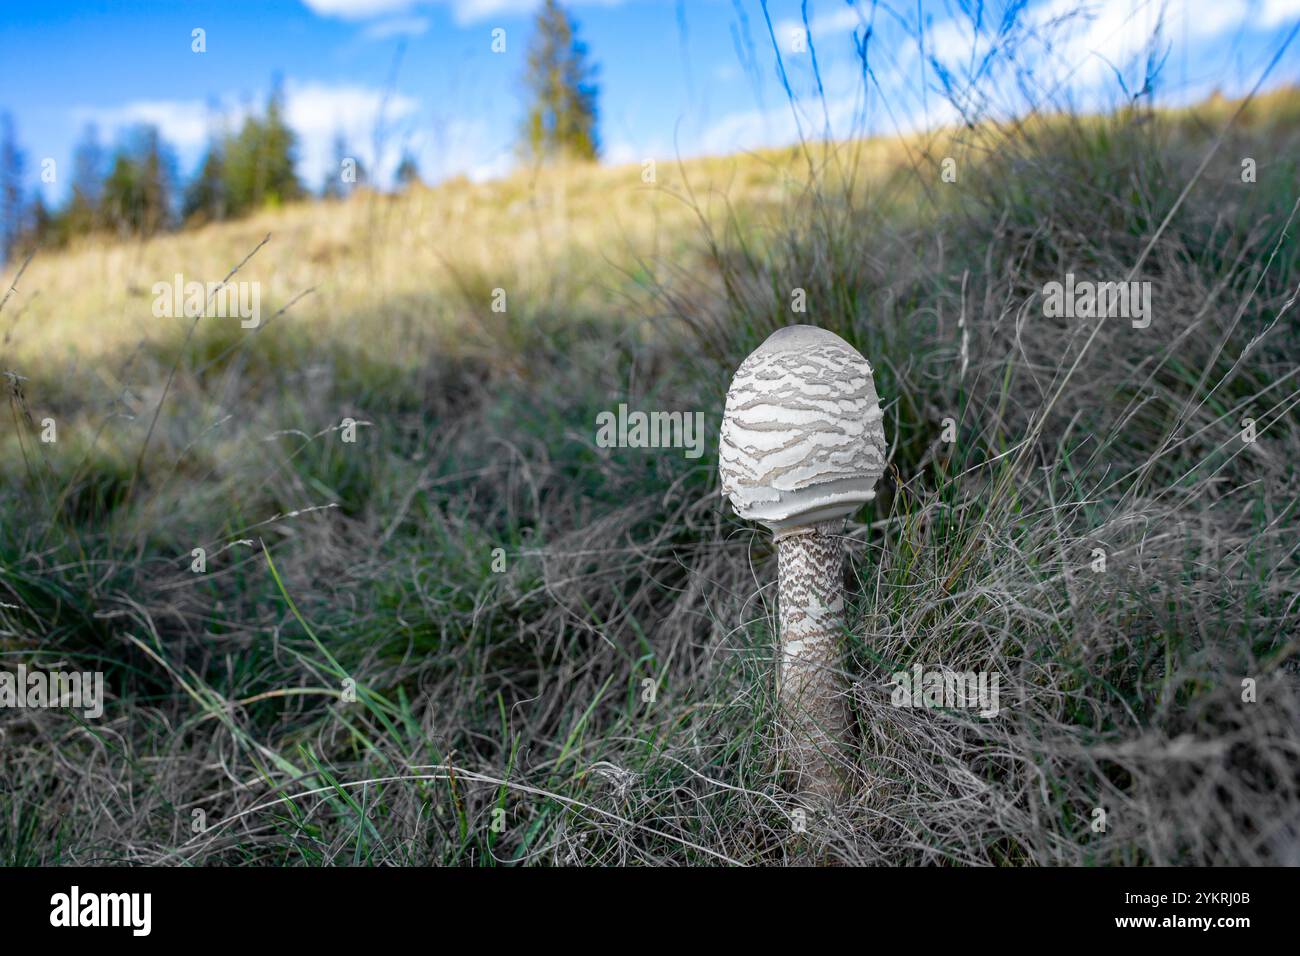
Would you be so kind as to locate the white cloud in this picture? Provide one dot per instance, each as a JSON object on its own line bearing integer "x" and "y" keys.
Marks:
{"x": 317, "y": 112}
{"x": 396, "y": 26}
{"x": 749, "y": 129}
{"x": 359, "y": 9}
{"x": 778, "y": 125}
{"x": 183, "y": 123}
{"x": 622, "y": 152}
{"x": 1278, "y": 12}
{"x": 464, "y": 12}
{"x": 474, "y": 11}
{"x": 1080, "y": 40}
{"x": 314, "y": 108}
{"x": 842, "y": 20}
{"x": 466, "y": 147}
{"x": 1064, "y": 42}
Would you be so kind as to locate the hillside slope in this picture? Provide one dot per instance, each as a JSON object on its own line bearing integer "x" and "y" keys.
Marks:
{"x": 433, "y": 621}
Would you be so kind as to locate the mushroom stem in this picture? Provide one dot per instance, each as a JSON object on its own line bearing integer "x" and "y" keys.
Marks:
{"x": 801, "y": 449}
{"x": 810, "y": 691}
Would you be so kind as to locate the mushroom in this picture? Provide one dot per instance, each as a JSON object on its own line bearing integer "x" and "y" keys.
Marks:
{"x": 802, "y": 445}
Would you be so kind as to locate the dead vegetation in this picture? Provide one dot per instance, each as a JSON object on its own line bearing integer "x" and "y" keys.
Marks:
{"x": 361, "y": 676}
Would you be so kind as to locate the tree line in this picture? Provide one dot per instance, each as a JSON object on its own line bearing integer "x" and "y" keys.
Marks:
{"x": 135, "y": 190}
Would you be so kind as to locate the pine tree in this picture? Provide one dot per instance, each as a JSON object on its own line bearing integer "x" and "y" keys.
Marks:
{"x": 562, "y": 115}
{"x": 408, "y": 171}
{"x": 345, "y": 173}
{"x": 279, "y": 178}
{"x": 138, "y": 193}
{"x": 42, "y": 227}
{"x": 259, "y": 161}
{"x": 13, "y": 209}
{"x": 205, "y": 197}
{"x": 82, "y": 212}
{"x": 156, "y": 183}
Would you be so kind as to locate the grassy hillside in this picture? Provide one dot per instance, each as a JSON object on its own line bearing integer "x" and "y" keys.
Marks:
{"x": 472, "y": 608}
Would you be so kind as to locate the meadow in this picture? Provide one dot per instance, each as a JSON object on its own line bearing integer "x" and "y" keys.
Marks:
{"x": 461, "y": 631}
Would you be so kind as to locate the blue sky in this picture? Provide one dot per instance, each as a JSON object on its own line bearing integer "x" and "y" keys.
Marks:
{"x": 681, "y": 77}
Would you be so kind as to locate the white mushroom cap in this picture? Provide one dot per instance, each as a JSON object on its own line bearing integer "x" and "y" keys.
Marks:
{"x": 802, "y": 436}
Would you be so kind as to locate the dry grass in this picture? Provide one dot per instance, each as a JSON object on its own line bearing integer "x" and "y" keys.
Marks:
{"x": 524, "y": 691}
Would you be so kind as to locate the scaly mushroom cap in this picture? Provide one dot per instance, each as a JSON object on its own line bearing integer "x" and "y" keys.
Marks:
{"x": 802, "y": 437}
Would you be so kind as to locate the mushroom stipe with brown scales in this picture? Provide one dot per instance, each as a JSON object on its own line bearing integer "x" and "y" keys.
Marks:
{"x": 801, "y": 448}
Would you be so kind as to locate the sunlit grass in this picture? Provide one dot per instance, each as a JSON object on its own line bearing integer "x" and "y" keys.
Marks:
{"x": 354, "y": 679}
